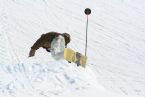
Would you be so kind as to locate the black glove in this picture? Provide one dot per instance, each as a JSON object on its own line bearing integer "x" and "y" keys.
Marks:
{"x": 47, "y": 50}
{"x": 32, "y": 52}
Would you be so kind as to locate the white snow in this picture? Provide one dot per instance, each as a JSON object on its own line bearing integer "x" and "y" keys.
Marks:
{"x": 116, "y": 48}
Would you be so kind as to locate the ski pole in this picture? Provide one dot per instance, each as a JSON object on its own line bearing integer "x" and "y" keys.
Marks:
{"x": 87, "y": 12}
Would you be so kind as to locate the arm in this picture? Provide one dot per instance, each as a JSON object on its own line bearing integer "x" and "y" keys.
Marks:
{"x": 36, "y": 45}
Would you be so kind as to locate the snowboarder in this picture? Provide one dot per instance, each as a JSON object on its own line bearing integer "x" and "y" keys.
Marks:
{"x": 45, "y": 41}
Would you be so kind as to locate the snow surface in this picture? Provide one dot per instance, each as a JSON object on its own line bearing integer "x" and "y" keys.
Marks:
{"x": 116, "y": 48}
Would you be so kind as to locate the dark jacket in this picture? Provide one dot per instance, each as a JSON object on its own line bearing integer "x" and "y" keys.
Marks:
{"x": 45, "y": 41}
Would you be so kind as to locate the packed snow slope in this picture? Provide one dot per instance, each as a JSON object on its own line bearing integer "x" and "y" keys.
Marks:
{"x": 116, "y": 48}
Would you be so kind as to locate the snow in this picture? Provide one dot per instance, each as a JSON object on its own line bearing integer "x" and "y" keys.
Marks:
{"x": 116, "y": 56}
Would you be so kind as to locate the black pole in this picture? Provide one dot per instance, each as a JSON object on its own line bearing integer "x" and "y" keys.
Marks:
{"x": 86, "y": 36}
{"x": 87, "y": 12}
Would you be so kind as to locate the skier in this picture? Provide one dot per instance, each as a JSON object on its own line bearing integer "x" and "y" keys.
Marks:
{"x": 45, "y": 41}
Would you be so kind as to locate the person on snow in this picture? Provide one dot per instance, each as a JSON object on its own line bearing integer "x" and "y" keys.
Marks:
{"x": 45, "y": 41}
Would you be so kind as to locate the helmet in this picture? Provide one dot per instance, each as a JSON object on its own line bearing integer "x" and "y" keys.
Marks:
{"x": 67, "y": 37}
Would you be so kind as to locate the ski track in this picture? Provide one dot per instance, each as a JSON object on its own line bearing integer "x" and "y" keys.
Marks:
{"x": 116, "y": 50}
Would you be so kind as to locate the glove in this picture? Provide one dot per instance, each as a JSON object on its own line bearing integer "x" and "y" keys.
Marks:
{"x": 32, "y": 52}
{"x": 47, "y": 50}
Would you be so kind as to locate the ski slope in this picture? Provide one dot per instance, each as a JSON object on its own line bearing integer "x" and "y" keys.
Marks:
{"x": 116, "y": 44}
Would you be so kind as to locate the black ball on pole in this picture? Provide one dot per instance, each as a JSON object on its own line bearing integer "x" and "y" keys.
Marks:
{"x": 87, "y": 11}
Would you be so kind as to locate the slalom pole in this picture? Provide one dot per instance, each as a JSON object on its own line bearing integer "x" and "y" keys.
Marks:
{"x": 87, "y": 12}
